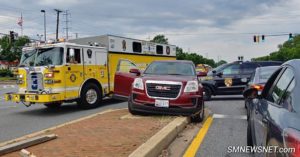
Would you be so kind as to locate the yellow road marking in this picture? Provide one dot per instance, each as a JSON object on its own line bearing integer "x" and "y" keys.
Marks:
{"x": 195, "y": 145}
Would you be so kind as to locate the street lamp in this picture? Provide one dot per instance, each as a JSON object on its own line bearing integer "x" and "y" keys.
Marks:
{"x": 43, "y": 11}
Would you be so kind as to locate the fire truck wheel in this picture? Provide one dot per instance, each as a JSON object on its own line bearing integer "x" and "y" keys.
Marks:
{"x": 55, "y": 105}
{"x": 90, "y": 96}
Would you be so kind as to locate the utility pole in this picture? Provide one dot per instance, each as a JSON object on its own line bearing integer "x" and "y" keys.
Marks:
{"x": 67, "y": 23}
{"x": 57, "y": 22}
{"x": 43, "y": 11}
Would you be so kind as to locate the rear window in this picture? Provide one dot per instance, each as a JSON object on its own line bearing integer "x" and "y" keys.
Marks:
{"x": 249, "y": 68}
{"x": 265, "y": 74}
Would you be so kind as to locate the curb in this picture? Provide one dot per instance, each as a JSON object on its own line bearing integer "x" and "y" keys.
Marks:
{"x": 55, "y": 127}
{"x": 162, "y": 139}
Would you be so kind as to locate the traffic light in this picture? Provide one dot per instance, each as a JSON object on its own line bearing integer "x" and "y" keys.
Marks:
{"x": 263, "y": 38}
{"x": 12, "y": 36}
{"x": 290, "y": 36}
{"x": 254, "y": 38}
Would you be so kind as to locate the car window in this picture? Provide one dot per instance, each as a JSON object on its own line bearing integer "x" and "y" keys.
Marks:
{"x": 287, "y": 98}
{"x": 170, "y": 68}
{"x": 265, "y": 73}
{"x": 232, "y": 69}
{"x": 282, "y": 84}
{"x": 125, "y": 66}
{"x": 249, "y": 68}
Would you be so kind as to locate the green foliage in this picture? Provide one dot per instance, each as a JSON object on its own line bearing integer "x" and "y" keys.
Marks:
{"x": 180, "y": 55}
{"x": 221, "y": 62}
{"x": 12, "y": 51}
{"x": 287, "y": 51}
{"x": 5, "y": 72}
{"x": 196, "y": 58}
{"x": 160, "y": 39}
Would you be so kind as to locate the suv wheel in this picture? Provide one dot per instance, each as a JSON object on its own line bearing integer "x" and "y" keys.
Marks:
{"x": 207, "y": 93}
{"x": 130, "y": 107}
{"x": 90, "y": 96}
{"x": 199, "y": 116}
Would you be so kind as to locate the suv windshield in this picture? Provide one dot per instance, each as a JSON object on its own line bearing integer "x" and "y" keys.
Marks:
{"x": 27, "y": 58}
{"x": 170, "y": 68}
{"x": 49, "y": 56}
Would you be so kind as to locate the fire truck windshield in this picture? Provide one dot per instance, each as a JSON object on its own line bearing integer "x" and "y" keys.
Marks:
{"x": 27, "y": 58}
{"x": 49, "y": 56}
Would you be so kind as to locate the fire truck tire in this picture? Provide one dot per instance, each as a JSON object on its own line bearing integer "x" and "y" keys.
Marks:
{"x": 55, "y": 105}
{"x": 90, "y": 96}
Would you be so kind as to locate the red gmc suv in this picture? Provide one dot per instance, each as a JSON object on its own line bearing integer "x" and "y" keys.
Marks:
{"x": 167, "y": 87}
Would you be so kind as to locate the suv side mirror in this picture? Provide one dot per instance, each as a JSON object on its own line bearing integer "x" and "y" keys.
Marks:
{"x": 135, "y": 71}
{"x": 250, "y": 93}
{"x": 219, "y": 74}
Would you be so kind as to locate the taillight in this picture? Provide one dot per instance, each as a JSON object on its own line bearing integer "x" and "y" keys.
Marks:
{"x": 291, "y": 140}
{"x": 258, "y": 87}
{"x": 49, "y": 75}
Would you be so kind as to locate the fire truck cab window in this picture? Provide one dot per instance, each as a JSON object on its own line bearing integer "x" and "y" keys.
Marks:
{"x": 159, "y": 49}
{"x": 137, "y": 47}
{"x": 73, "y": 56}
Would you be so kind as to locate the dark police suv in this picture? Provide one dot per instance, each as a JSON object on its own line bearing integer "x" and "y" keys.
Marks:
{"x": 232, "y": 78}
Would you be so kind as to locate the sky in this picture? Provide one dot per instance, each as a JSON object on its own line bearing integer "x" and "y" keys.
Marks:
{"x": 217, "y": 29}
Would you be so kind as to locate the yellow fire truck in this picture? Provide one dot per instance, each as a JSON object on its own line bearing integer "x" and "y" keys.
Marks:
{"x": 84, "y": 70}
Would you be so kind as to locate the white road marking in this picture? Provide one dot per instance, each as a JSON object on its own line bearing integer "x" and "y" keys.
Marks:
{"x": 222, "y": 116}
{"x": 8, "y": 86}
{"x": 7, "y": 107}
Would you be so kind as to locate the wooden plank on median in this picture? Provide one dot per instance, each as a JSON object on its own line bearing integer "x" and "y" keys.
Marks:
{"x": 26, "y": 143}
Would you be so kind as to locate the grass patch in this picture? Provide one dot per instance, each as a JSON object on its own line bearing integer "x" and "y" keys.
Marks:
{"x": 7, "y": 78}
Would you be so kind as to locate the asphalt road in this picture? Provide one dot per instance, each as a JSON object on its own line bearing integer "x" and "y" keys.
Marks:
{"x": 17, "y": 120}
{"x": 229, "y": 128}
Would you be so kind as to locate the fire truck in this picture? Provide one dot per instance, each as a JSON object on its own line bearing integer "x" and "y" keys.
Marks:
{"x": 84, "y": 70}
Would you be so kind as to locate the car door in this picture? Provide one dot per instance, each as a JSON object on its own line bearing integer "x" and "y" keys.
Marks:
{"x": 123, "y": 78}
{"x": 228, "y": 80}
{"x": 74, "y": 72}
{"x": 271, "y": 105}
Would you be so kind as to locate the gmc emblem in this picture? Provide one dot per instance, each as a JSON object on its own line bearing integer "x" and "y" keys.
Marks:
{"x": 162, "y": 87}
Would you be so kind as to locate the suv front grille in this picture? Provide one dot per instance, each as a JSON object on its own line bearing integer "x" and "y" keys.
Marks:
{"x": 160, "y": 90}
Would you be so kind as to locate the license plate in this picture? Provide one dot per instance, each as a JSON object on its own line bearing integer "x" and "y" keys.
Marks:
{"x": 161, "y": 103}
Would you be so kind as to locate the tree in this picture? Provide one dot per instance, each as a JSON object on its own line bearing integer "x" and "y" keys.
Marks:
{"x": 160, "y": 39}
{"x": 12, "y": 51}
{"x": 221, "y": 62}
{"x": 180, "y": 55}
{"x": 287, "y": 51}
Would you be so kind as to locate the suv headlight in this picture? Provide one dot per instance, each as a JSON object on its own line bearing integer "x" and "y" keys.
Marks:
{"x": 191, "y": 86}
{"x": 138, "y": 84}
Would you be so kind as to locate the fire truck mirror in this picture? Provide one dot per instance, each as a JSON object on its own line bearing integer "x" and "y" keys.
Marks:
{"x": 72, "y": 53}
